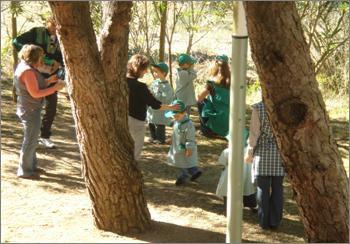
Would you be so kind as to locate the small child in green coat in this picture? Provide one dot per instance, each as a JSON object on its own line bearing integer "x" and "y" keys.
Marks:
{"x": 163, "y": 92}
{"x": 183, "y": 150}
{"x": 185, "y": 76}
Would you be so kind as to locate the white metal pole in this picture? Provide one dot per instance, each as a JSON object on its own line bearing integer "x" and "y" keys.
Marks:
{"x": 237, "y": 123}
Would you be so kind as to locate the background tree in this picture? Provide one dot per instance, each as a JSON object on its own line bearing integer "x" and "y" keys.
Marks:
{"x": 174, "y": 11}
{"x": 161, "y": 9}
{"x": 299, "y": 120}
{"x": 201, "y": 17}
{"x": 98, "y": 93}
{"x": 143, "y": 28}
{"x": 326, "y": 26}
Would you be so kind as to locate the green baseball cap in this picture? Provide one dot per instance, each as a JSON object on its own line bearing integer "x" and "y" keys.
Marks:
{"x": 222, "y": 58}
{"x": 182, "y": 108}
{"x": 185, "y": 58}
{"x": 162, "y": 66}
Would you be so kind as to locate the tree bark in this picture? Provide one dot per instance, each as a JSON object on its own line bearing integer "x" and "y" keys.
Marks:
{"x": 99, "y": 97}
{"x": 163, "y": 11}
{"x": 299, "y": 120}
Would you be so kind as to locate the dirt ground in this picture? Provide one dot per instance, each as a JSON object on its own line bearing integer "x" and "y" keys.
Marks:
{"x": 56, "y": 208}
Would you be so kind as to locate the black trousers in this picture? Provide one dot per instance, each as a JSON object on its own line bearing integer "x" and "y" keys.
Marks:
{"x": 49, "y": 115}
{"x": 157, "y": 132}
{"x": 270, "y": 200}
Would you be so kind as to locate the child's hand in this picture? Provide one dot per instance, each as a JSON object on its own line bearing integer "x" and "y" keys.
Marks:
{"x": 188, "y": 153}
{"x": 248, "y": 159}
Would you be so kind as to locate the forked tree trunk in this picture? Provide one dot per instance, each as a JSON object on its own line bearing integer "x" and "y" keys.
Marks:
{"x": 299, "y": 120}
{"x": 99, "y": 97}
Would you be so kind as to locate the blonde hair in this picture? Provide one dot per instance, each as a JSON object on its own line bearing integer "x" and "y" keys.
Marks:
{"x": 31, "y": 54}
{"x": 136, "y": 65}
{"x": 222, "y": 74}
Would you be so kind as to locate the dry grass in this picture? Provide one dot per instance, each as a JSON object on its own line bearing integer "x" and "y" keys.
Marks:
{"x": 57, "y": 208}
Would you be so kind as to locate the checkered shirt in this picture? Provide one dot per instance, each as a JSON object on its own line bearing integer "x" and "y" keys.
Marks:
{"x": 267, "y": 159}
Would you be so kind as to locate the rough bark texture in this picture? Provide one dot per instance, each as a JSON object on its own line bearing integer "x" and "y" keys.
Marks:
{"x": 99, "y": 93}
{"x": 299, "y": 120}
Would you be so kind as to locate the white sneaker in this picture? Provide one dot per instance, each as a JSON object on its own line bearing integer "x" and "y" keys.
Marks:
{"x": 47, "y": 143}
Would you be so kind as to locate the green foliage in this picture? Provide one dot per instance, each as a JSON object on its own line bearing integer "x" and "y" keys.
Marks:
{"x": 326, "y": 26}
{"x": 253, "y": 87}
{"x": 96, "y": 15}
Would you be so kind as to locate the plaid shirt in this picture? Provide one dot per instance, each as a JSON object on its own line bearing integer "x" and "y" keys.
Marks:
{"x": 267, "y": 160}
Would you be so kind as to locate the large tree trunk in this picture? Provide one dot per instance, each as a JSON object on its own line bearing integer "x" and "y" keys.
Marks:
{"x": 299, "y": 119}
{"x": 99, "y": 93}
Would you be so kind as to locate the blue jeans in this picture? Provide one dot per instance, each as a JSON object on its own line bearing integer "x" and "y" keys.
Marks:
{"x": 187, "y": 171}
{"x": 27, "y": 159}
{"x": 270, "y": 202}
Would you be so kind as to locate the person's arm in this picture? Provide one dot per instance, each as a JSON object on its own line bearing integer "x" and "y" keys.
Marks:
{"x": 190, "y": 140}
{"x": 202, "y": 95}
{"x": 192, "y": 73}
{"x": 51, "y": 79}
{"x": 254, "y": 133}
{"x": 29, "y": 79}
{"x": 155, "y": 104}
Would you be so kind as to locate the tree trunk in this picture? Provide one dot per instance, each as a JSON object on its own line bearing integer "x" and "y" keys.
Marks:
{"x": 14, "y": 34}
{"x": 99, "y": 97}
{"x": 163, "y": 12}
{"x": 170, "y": 61}
{"x": 299, "y": 120}
{"x": 190, "y": 42}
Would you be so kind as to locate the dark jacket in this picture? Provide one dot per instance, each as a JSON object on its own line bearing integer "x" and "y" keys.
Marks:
{"x": 40, "y": 36}
{"x": 139, "y": 99}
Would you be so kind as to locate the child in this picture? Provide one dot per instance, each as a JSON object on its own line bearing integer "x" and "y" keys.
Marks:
{"x": 249, "y": 198}
{"x": 162, "y": 91}
{"x": 267, "y": 167}
{"x": 183, "y": 150}
{"x": 184, "y": 81}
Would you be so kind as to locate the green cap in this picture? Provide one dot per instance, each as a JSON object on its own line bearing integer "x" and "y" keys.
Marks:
{"x": 222, "y": 58}
{"x": 185, "y": 58}
{"x": 182, "y": 108}
{"x": 162, "y": 66}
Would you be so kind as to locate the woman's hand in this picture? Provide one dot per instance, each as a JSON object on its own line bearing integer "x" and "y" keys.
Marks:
{"x": 52, "y": 79}
{"x": 59, "y": 85}
{"x": 188, "y": 153}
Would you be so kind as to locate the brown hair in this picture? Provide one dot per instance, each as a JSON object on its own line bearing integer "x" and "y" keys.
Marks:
{"x": 136, "y": 65}
{"x": 31, "y": 54}
{"x": 51, "y": 20}
{"x": 222, "y": 74}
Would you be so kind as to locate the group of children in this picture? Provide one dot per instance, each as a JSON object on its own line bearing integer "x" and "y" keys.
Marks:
{"x": 268, "y": 176}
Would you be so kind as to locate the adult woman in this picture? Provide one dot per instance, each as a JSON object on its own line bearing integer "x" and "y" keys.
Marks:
{"x": 139, "y": 99}
{"x": 213, "y": 101}
{"x": 31, "y": 88}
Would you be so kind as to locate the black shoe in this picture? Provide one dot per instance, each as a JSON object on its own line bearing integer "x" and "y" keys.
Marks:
{"x": 196, "y": 175}
{"x": 30, "y": 177}
{"x": 180, "y": 181}
{"x": 273, "y": 227}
